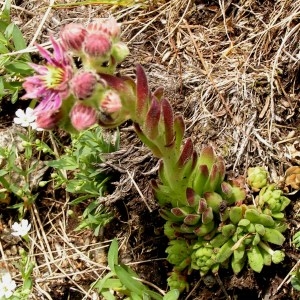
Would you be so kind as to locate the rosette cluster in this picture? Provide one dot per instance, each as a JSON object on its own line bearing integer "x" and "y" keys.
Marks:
{"x": 75, "y": 98}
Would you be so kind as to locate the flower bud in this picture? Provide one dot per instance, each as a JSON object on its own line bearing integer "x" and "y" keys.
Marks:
{"x": 108, "y": 26}
{"x": 72, "y": 36}
{"x": 48, "y": 119}
{"x": 97, "y": 44}
{"x": 82, "y": 116}
{"x": 119, "y": 51}
{"x": 111, "y": 102}
{"x": 83, "y": 84}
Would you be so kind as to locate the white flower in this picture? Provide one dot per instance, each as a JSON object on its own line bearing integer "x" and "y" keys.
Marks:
{"x": 26, "y": 118}
{"x": 7, "y": 286}
{"x": 21, "y": 229}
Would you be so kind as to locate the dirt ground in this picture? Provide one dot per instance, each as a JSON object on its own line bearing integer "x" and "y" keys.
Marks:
{"x": 232, "y": 68}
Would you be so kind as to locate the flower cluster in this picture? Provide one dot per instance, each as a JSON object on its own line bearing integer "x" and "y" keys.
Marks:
{"x": 77, "y": 98}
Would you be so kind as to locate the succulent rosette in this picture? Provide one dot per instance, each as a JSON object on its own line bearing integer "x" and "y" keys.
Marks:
{"x": 257, "y": 178}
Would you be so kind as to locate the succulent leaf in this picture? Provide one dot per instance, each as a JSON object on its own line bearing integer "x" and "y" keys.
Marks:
{"x": 204, "y": 229}
{"x": 186, "y": 153}
{"x": 255, "y": 259}
{"x": 228, "y": 230}
{"x": 235, "y": 214}
{"x": 219, "y": 240}
{"x": 225, "y": 251}
{"x": 213, "y": 200}
{"x": 179, "y": 128}
{"x": 142, "y": 91}
{"x": 255, "y": 216}
{"x": 207, "y": 215}
{"x": 191, "y": 219}
{"x": 273, "y": 236}
{"x": 152, "y": 120}
{"x": 168, "y": 117}
{"x": 257, "y": 178}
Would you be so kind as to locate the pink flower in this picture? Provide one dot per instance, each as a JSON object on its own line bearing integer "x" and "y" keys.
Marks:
{"x": 83, "y": 84}
{"x": 97, "y": 44}
{"x": 50, "y": 85}
{"x": 72, "y": 36}
{"x": 82, "y": 116}
{"x": 111, "y": 102}
{"x": 108, "y": 26}
{"x": 48, "y": 119}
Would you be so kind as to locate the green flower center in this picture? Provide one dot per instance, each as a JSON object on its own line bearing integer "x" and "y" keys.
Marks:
{"x": 54, "y": 77}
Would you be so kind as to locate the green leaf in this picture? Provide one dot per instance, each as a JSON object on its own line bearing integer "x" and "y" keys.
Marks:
{"x": 108, "y": 295}
{"x": 273, "y": 236}
{"x": 112, "y": 256}
{"x": 18, "y": 39}
{"x": 65, "y": 163}
{"x": 131, "y": 284}
{"x": 5, "y": 15}
{"x": 255, "y": 259}
{"x": 19, "y": 67}
{"x": 171, "y": 295}
{"x": 1, "y": 87}
{"x": 295, "y": 281}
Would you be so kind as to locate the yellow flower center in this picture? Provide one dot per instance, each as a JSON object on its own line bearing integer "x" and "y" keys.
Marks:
{"x": 54, "y": 77}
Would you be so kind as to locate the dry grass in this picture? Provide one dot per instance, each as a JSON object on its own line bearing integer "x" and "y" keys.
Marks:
{"x": 232, "y": 68}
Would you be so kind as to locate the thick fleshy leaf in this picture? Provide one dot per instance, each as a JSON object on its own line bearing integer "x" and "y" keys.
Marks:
{"x": 191, "y": 219}
{"x": 255, "y": 216}
{"x": 152, "y": 120}
{"x": 255, "y": 259}
{"x": 201, "y": 177}
{"x": 228, "y": 230}
{"x": 186, "y": 153}
{"x": 207, "y": 157}
{"x": 225, "y": 252}
{"x": 213, "y": 200}
{"x": 202, "y": 206}
{"x": 236, "y": 214}
{"x": 191, "y": 197}
{"x": 181, "y": 211}
{"x": 207, "y": 216}
{"x": 273, "y": 236}
{"x": 159, "y": 93}
{"x": 168, "y": 117}
{"x": 204, "y": 229}
{"x": 142, "y": 91}
{"x": 179, "y": 128}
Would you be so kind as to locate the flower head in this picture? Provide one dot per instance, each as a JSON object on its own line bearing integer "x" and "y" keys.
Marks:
{"x": 82, "y": 116}
{"x": 108, "y": 26}
{"x": 50, "y": 85}
{"x": 97, "y": 44}
{"x": 21, "y": 229}
{"x": 72, "y": 36}
{"x": 48, "y": 119}
{"x": 7, "y": 286}
{"x": 111, "y": 102}
{"x": 83, "y": 84}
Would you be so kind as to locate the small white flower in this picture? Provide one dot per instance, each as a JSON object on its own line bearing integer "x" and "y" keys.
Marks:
{"x": 7, "y": 286}
{"x": 21, "y": 229}
{"x": 25, "y": 119}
